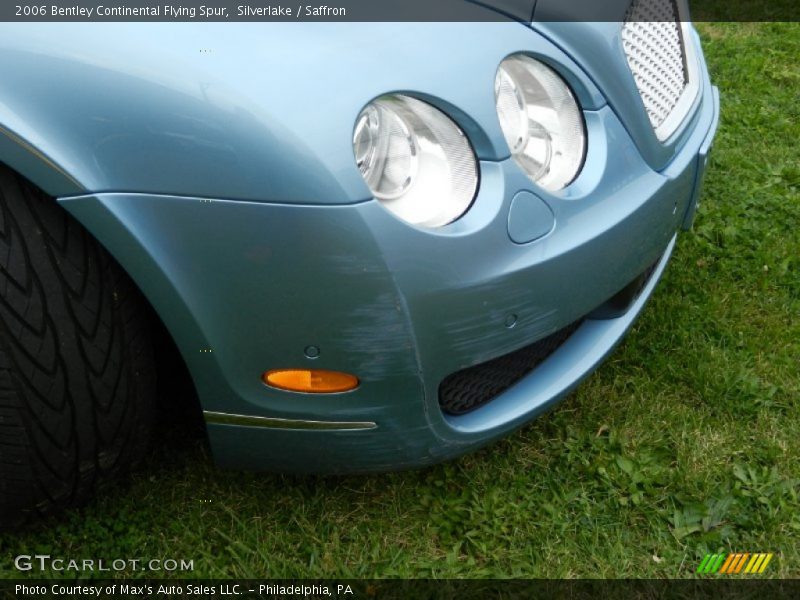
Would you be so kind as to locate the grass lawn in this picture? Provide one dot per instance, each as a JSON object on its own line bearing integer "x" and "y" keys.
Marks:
{"x": 685, "y": 442}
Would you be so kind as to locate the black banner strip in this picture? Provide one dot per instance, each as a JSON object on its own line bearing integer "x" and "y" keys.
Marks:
{"x": 377, "y": 10}
{"x": 247, "y": 589}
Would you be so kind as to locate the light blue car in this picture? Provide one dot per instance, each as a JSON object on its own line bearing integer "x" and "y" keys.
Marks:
{"x": 375, "y": 246}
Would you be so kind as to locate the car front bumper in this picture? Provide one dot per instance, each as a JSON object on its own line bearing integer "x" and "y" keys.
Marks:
{"x": 400, "y": 308}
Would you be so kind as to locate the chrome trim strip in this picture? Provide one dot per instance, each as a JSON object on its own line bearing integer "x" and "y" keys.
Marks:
{"x": 219, "y": 418}
{"x": 681, "y": 109}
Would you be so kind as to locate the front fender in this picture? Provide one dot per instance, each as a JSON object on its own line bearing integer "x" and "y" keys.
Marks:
{"x": 252, "y": 111}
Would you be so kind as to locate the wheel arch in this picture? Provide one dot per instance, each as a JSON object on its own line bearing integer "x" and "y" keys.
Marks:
{"x": 27, "y": 161}
{"x": 122, "y": 230}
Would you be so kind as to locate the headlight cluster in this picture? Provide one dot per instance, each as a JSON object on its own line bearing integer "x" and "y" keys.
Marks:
{"x": 541, "y": 121}
{"x": 415, "y": 160}
{"x": 420, "y": 165}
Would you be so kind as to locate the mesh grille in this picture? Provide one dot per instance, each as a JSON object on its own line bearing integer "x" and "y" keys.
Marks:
{"x": 466, "y": 390}
{"x": 653, "y": 45}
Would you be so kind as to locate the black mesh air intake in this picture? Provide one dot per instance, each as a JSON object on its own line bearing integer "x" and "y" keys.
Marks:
{"x": 467, "y": 390}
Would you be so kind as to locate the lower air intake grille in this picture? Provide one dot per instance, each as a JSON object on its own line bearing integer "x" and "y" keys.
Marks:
{"x": 467, "y": 390}
{"x": 653, "y": 43}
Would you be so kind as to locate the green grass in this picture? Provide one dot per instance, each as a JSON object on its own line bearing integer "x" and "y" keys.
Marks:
{"x": 685, "y": 442}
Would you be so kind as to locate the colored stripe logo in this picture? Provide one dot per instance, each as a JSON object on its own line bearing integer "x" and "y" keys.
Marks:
{"x": 731, "y": 564}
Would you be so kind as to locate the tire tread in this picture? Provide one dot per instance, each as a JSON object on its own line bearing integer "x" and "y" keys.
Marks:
{"x": 77, "y": 377}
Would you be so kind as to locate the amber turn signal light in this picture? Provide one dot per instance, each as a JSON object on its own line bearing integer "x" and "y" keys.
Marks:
{"x": 311, "y": 381}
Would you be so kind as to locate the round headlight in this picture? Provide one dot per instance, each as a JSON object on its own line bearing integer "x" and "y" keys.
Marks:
{"x": 415, "y": 160}
{"x": 541, "y": 121}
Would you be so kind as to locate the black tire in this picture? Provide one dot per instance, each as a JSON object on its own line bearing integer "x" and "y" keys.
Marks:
{"x": 77, "y": 376}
